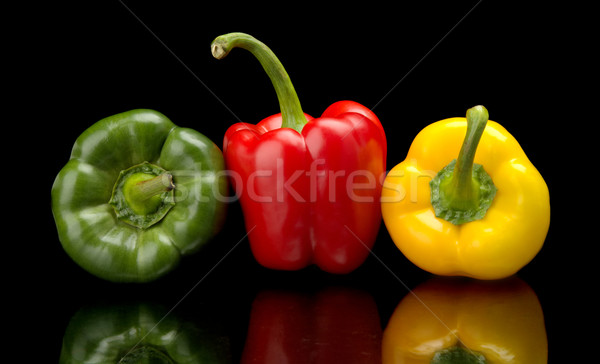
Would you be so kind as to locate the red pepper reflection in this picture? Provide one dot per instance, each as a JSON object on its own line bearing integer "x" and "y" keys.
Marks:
{"x": 333, "y": 325}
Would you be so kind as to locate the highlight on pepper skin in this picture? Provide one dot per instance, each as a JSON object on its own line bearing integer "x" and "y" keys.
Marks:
{"x": 471, "y": 320}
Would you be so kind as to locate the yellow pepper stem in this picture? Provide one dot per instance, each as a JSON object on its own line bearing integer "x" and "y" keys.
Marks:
{"x": 465, "y": 188}
{"x": 463, "y": 191}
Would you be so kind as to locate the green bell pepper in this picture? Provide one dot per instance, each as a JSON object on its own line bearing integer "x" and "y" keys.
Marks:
{"x": 137, "y": 194}
{"x": 141, "y": 333}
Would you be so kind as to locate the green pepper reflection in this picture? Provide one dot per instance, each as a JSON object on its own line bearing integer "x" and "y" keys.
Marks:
{"x": 140, "y": 333}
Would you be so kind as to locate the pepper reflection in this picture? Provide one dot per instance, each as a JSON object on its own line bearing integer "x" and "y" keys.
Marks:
{"x": 139, "y": 333}
{"x": 332, "y": 325}
{"x": 465, "y": 321}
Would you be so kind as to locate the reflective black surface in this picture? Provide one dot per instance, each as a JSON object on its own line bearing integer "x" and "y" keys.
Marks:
{"x": 220, "y": 296}
{"x": 412, "y": 66}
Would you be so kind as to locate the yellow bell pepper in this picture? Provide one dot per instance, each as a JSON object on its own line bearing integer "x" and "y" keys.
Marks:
{"x": 483, "y": 215}
{"x": 459, "y": 320}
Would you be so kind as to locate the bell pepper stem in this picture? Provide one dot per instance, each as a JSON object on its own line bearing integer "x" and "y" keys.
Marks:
{"x": 149, "y": 188}
{"x": 463, "y": 191}
{"x": 142, "y": 192}
{"x": 291, "y": 111}
{"x": 142, "y": 195}
{"x": 464, "y": 186}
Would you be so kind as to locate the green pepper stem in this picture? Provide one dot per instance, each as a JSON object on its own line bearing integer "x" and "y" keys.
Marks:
{"x": 143, "y": 195}
{"x": 149, "y": 188}
{"x": 464, "y": 187}
{"x": 291, "y": 112}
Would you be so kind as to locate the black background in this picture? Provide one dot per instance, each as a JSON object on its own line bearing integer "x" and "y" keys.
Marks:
{"x": 413, "y": 63}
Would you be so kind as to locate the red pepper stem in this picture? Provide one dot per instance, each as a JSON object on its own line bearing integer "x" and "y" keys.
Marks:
{"x": 291, "y": 111}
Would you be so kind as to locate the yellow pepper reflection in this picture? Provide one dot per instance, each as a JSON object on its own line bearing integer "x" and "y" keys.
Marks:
{"x": 460, "y": 320}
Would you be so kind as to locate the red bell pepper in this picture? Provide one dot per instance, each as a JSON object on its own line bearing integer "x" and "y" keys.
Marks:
{"x": 333, "y": 325}
{"x": 312, "y": 185}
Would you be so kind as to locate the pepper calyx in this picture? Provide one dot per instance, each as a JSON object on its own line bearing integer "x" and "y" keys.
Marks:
{"x": 442, "y": 202}
{"x": 463, "y": 191}
{"x": 143, "y": 195}
{"x": 458, "y": 355}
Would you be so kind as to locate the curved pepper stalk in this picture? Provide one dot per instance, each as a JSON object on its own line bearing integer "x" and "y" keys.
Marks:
{"x": 463, "y": 191}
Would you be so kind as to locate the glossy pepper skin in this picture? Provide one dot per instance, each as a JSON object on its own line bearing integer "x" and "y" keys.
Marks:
{"x": 87, "y": 223}
{"x": 497, "y": 245}
{"x": 309, "y": 187}
{"x": 470, "y": 321}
